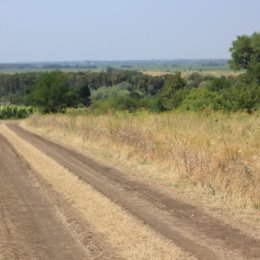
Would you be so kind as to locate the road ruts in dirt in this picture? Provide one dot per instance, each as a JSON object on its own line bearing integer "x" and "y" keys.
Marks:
{"x": 30, "y": 225}
{"x": 187, "y": 226}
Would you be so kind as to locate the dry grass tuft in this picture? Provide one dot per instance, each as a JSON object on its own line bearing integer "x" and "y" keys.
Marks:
{"x": 217, "y": 153}
{"x": 131, "y": 239}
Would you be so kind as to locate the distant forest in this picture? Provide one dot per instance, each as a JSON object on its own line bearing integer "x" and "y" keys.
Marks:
{"x": 127, "y": 89}
{"x": 102, "y": 65}
{"x": 131, "y": 90}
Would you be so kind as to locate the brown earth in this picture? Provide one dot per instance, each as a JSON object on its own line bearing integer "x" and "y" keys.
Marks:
{"x": 187, "y": 226}
{"x": 34, "y": 225}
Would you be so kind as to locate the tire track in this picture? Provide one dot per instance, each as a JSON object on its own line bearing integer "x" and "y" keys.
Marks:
{"x": 31, "y": 225}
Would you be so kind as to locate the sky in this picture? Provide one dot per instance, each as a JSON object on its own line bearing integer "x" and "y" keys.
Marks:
{"x": 70, "y": 30}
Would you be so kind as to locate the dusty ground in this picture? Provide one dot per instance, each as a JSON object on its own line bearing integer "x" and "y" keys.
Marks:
{"x": 185, "y": 225}
{"x": 31, "y": 225}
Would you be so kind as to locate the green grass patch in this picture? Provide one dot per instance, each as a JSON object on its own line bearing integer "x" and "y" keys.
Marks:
{"x": 15, "y": 112}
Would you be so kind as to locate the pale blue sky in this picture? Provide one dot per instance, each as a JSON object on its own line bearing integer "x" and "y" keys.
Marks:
{"x": 58, "y": 30}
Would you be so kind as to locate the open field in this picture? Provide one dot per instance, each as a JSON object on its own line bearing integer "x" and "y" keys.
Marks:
{"x": 84, "y": 189}
{"x": 187, "y": 73}
{"x": 218, "y": 153}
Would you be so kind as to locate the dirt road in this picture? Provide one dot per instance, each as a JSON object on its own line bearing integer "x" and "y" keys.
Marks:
{"x": 31, "y": 227}
{"x": 23, "y": 216}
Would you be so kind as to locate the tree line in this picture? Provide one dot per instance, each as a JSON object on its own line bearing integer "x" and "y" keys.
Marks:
{"x": 131, "y": 90}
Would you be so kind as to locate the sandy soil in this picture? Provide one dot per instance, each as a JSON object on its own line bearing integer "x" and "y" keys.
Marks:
{"x": 187, "y": 226}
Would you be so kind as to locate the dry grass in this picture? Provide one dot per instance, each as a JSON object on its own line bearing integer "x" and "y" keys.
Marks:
{"x": 131, "y": 239}
{"x": 186, "y": 74}
{"x": 216, "y": 153}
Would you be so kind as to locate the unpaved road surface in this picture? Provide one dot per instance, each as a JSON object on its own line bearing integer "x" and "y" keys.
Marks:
{"x": 23, "y": 216}
{"x": 28, "y": 222}
{"x": 30, "y": 227}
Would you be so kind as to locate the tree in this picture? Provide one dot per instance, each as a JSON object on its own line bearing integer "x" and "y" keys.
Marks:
{"x": 245, "y": 52}
{"x": 241, "y": 52}
{"x": 171, "y": 85}
{"x": 51, "y": 93}
{"x": 84, "y": 94}
{"x": 219, "y": 83}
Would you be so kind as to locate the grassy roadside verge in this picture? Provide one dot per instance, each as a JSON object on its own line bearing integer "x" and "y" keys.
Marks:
{"x": 216, "y": 156}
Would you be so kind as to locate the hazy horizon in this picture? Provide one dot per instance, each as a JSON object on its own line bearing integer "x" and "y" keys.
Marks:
{"x": 115, "y": 30}
{"x": 116, "y": 60}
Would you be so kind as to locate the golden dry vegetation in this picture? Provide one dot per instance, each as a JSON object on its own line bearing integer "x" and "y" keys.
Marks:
{"x": 187, "y": 73}
{"x": 218, "y": 154}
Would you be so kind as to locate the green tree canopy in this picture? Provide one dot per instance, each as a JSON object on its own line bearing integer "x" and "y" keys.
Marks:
{"x": 171, "y": 85}
{"x": 245, "y": 52}
{"x": 51, "y": 93}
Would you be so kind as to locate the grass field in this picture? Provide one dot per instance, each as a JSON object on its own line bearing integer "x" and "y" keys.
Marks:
{"x": 217, "y": 153}
{"x": 187, "y": 73}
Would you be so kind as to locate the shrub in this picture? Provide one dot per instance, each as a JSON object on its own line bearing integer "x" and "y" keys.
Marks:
{"x": 15, "y": 112}
{"x": 248, "y": 97}
{"x": 125, "y": 103}
{"x": 108, "y": 92}
{"x": 171, "y": 85}
{"x": 201, "y": 98}
{"x": 178, "y": 98}
{"x": 235, "y": 98}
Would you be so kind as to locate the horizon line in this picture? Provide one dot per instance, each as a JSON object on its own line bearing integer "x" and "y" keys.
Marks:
{"x": 112, "y": 60}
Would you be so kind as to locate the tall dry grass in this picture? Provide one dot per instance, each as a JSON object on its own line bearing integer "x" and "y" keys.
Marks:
{"x": 214, "y": 152}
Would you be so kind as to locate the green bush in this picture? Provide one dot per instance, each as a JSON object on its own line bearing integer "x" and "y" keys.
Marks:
{"x": 176, "y": 100}
{"x": 248, "y": 97}
{"x": 108, "y": 92}
{"x": 201, "y": 98}
{"x": 15, "y": 112}
{"x": 235, "y": 98}
{"x": 172, "y": 84}
{"x": 125, "y": 103}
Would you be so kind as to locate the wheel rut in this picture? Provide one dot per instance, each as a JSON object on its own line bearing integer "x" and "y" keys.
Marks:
{"x": 30, "y": 223}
